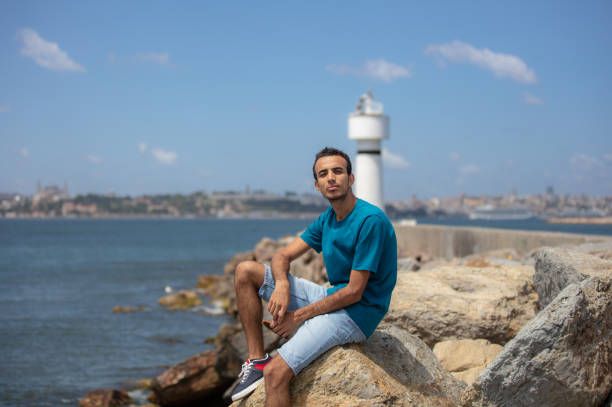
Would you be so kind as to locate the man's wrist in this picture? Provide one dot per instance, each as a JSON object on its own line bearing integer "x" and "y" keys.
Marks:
{"x": 282, "y": 283}
{"x": 300, "y": 316}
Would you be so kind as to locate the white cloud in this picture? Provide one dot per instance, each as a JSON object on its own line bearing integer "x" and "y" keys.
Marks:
{"x": 164, "y": 157}
{"x": 156, "y": 58}
{"x": 394, "y": 160}
{"x": 454, "y": 156}
{"x": 5, "y": 108}
{"x": 608, "y": 157}
{"x": 376, "y": 69}
{"x": 531, "y": 100}
{"x": 503, "y": 65}
{"x": 24, "y": 152}
{"x": 468, "y": 170}
{"x": 584, "y": 163}
{"x": 142, "y": 146}
{"x": 111, "y": 57}
{"x": 94, "y": 159}
{"x": 46, "y": 54}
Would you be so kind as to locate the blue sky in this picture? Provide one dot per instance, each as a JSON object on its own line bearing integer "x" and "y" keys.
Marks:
{"x": 154, "y": 97}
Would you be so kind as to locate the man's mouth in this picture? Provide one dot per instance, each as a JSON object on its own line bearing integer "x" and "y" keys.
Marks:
{"x": 332, "y": 188}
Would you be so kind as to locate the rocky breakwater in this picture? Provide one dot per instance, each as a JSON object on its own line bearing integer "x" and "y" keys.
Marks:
{"x": 392, "y": 368}
{"x": 562, "y": 357}
{"x": 483, "y": 301}
{"x": 466, "y": 309}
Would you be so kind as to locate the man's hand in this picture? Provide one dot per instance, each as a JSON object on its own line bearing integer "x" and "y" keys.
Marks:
{"x": 289, "y": 324}
{"x": 279, "y": 301}
{"x": 280, "y": 298}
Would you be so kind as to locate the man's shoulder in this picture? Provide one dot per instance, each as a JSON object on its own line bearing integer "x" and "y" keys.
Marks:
{"x": 368, "y": 211}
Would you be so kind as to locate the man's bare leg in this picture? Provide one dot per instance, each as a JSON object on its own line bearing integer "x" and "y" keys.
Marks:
{"x": 248, "y": 278}
{"x": 277, "y": 375}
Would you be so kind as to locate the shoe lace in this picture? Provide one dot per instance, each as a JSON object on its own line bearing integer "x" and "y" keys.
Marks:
{"x": 246, "y": 370}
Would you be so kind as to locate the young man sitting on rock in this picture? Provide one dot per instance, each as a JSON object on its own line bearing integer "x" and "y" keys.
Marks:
{"x": 360, "y": 252}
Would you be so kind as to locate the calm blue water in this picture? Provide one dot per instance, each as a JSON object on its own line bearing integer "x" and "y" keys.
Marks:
{"x": 60, "y": 279}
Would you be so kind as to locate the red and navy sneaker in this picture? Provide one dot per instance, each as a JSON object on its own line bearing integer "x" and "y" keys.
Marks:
{"x": 252, "y": 375}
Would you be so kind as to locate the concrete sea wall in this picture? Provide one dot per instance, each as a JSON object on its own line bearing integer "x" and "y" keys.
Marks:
{"x": 451, "y": 241}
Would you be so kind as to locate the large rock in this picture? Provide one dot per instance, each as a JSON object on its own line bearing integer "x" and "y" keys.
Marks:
{"x": 462, "y": 302}
{"x": 203, "y": 377}
{"x": 466, "y": 358}
{"x": 105, "y": 398}
{"x": 209, "y": 284}
{"x": 180, "y": 300}
{"x": 556, "y": 268}
{"x": 265, "y": 249}
{"x": 230, "y": 266}
{"x": 392, "y": 368}
{"x": 563, "y": 357}
{"x": 310, "y": 266}
{"x": 602, "y": 249}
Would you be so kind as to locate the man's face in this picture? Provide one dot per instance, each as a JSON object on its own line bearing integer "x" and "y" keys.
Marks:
{"x": 332, "y": 182}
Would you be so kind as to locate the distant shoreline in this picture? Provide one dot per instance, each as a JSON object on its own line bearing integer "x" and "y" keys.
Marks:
{"x": 582, "y": 221}
{"x": 168, "y": 217}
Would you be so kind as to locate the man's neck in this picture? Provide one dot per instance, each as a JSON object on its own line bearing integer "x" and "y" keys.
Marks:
{"x": 342, "y": 207}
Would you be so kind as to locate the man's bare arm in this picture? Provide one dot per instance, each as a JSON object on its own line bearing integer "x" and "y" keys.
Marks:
{"x": 280, "y": 298}
{"x": 342, "y": 298}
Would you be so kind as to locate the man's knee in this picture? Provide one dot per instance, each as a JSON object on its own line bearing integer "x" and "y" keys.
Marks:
{"x": 277, "y": 373}
{"x": 249, "y": 272}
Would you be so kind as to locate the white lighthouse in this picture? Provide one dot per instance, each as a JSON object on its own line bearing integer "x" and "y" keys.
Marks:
{"x": 368, "y": 125}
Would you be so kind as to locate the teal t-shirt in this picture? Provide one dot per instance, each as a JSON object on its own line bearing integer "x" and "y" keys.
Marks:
{"x": 364, "y": 240}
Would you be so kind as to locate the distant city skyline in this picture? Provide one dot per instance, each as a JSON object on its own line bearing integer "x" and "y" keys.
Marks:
{"x": 153, "y": 97}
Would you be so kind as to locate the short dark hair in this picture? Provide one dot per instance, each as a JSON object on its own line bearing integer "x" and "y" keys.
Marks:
{"x": 329, "y": 151}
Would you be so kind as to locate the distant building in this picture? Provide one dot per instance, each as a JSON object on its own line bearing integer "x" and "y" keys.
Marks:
{"x": 50, "y": 194}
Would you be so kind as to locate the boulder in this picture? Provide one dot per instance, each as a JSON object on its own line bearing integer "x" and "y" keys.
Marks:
{"x": 105, "y": 398}
{"x": 459, "y": 302}
{"x": 230, "y": 266}
{"x": 208, "y": 284}
{"x": 180, "y": 300}
{"x": 556, "y": 268}
{"x": 466, "y": 358}
{"x": 603, "y": 249}
{"x": 563, "y": 357}
{"x": 117, "y": 309}
{"x": 265, "y": 249}
{"x": 310, "y": 266}
{"x": 501, "y": 257}
{"x": 408, "y": 263}
{"x": 203, "y": 377}
{"x": 392, "y": 368}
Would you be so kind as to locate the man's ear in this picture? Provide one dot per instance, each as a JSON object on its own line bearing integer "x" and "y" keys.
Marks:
{"x": 351, "y": 179}
{"x": 316, "y": 184}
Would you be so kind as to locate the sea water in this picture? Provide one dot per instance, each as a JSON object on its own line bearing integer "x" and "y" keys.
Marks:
{"x": 59, "y": 282}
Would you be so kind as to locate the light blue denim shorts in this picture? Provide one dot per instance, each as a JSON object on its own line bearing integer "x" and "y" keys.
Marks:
{"x": 316, "y": 335}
